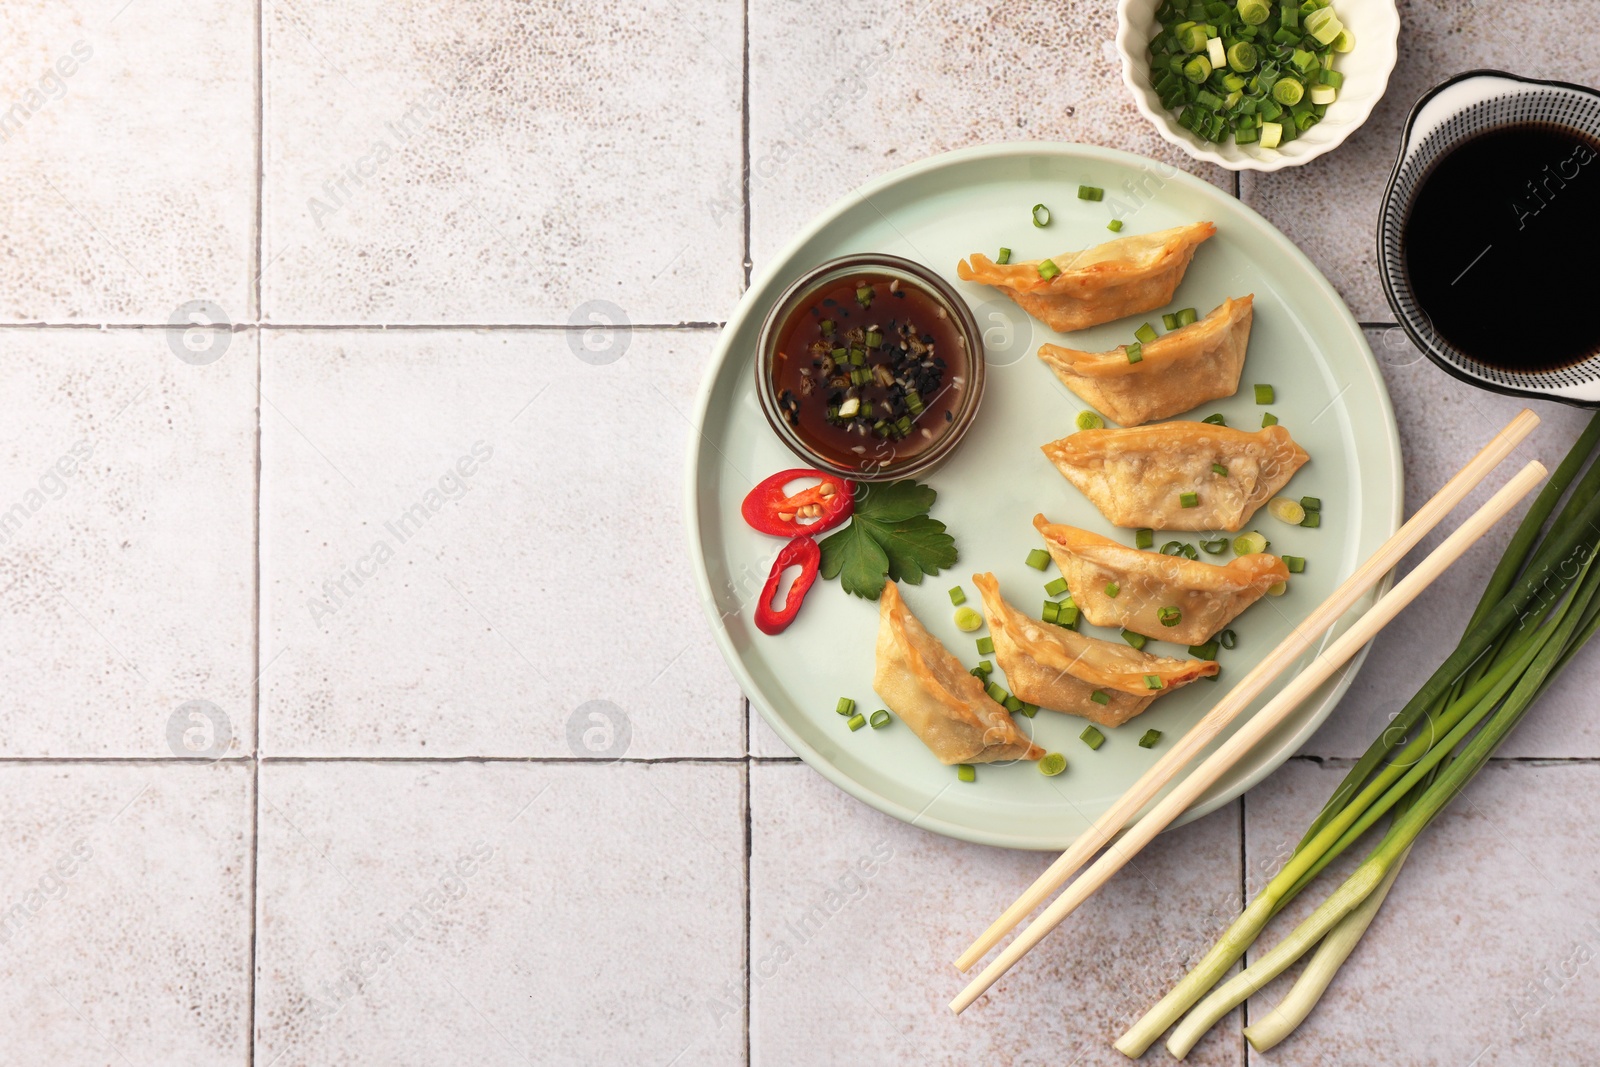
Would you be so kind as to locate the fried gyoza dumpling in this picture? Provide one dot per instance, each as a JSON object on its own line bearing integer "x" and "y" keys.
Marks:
{"x": 1062, "y": 670}
{"x": 1207, "y": 597}
{"x": 946, "y": 707}
{"x": 1119, "y": 278}
{"x": 1164, "y": 475}
{"x": 1175, "y": 372}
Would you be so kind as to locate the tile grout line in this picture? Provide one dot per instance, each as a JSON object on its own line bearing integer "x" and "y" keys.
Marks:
{"x": 1244, "y": 899}
{"x": 744, "y": 143}
{"x": 67, "y": 761}
{"x": 745, "y": 265}
{"x": 255, "y": 650}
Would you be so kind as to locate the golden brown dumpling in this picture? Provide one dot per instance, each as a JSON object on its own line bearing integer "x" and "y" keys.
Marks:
{"x": 1207, "y": 596}
{"x": 1061, "y": 669}
{"x": 946, "y": 707}
{"x": 1119, "y": 278}
{"x": 1177, "y": 371}
{"x": 1139, "y": 476}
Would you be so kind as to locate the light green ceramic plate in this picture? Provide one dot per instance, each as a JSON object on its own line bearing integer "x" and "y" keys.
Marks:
{"x": 1304, "y": 342}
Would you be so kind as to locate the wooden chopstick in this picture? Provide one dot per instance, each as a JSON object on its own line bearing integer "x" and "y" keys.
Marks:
{"x": 1263, "y": 722}
{"x": 1389, "y": 554}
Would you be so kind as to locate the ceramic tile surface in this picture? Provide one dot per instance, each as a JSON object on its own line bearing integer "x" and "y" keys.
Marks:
{"x": 127, "y": 159}
{"x": 851, "y": 938}
{"x": 127, "y": 542}
{"x": 441, "y": 584}
{"x": 401, "y": 493}
{"x": 837, "y": 101}
{"x": 500, "y": 914}
{"x": 1483, "y": 952}
{"x": 506, "y": 162}
{"x": 125, "y": 931}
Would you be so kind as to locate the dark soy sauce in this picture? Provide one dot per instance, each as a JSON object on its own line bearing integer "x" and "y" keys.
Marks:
{"x": 1499, "y": 244}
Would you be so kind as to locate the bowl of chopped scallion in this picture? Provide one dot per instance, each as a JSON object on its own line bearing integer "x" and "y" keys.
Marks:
{"x": 1257, "y": 84}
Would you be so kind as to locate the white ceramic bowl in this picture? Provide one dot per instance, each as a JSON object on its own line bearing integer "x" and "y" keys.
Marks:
{"x": 1366, "y": 69}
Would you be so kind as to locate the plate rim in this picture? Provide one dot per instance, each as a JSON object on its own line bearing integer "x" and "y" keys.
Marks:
{"x": 721, "y": 354}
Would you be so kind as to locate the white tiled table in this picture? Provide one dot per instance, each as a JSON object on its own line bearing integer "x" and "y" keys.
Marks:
{"x": 326, "y": 626}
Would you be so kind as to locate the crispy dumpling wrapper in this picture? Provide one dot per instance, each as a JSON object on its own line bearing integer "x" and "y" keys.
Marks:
{"x": 1207, "y": 596}
{"x": 1061, "y": 669}
{"x": 1137, "y": 476}
{"x": 920, "y": 681}
{"x": 1123, "y": 277}
{"x": 1179, "y": 370}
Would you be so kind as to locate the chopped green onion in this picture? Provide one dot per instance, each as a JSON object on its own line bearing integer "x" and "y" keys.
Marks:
{"x": 1277, "y": 588}
{"x": 1088, "y": 420}
{"x": 1169, "y": 615}
{"x": 985, "y": 646}
{"x": 1205, "y": 651}
{"x": 1285, "y": 510}
{"x": 1188, "y": 500}
{"x": 1287, "y": 91}
{"x": 1296, "y": 564}
{"x": 1144, "y": 537}
{"x": 1217, "y": 468}
{"x": 1271, "y": 134}
{"x": 1187, "y": 316}
{"x": 879, "y": 720}
{"x": 1247, "y": 543}
{"x": 1323, "y": 94}
{"x": 968, "y": 620}
{"x": 1091, "y": 192}
{"x": 1345, "y": 41}
{"x": 1041, "y": 216}
{"x": 846, "y": 706}
{"x": 1197, "y": 70}
{"x": 1038, "y": 559}
{"x": 856, "y": 722}
{"x": 958, "y": 595}
{"x": 1265, "y": 394}
{"x": 1115, "y": 225}
{"x": 1027, "y": 709}
{"x": 1092, "y": 737}
{"x": 1172, "y": 548}
{"x": 1227, "y": 639}
{"x": 1100, "y": 697}
{"x": 1311, "y": 503}
{"x": 826, "y": 327}
{"x": 1067, "y": 615}
{"x": 1254, "y": 12}
{"x": 1153, "y": 681}
{"x": 1145, "y": 333}
{"x": 1169, "y": 321}
{"x": 1136, "y": 640}
{"x": 1004, "y": 257}
{"x": 1268, "y": 419}
{"x": 1312, "y": 520}
{"x": 1051, "y": 611}
{"x": 1052, "y": 764}
{"x": 984, "y": 667}
{"x": 1056, "y": 586}
{"x": 1048, "y": 269}
{"x": 1242, "y": 56}
{"x": 1013, "y": 705}
{"x": 1217, "y": 419}
{"x": 1134, "y": 352}
{"x": 864, "y": 295}
{"x": 1150, "y": 739}
{"x": 1324, "y": 25}
{"x": 966, "y": 773}
{"x": 1112, "y": 589}
{"x": 1214, "y": 546}
{"x": 996, "y": 694}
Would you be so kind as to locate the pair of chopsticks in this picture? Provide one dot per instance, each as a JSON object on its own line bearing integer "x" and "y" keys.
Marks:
{"x": 1249, "y": 687}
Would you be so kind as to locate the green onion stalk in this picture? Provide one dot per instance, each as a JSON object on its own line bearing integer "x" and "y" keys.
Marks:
{"x": 1539, "y": 607}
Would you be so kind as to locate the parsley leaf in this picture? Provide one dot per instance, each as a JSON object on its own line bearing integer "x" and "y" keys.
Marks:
{"x": 889, "y": 536}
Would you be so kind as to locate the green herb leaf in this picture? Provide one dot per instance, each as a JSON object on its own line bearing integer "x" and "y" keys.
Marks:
{"x": 854, "y": 557}
{"x": 890, "y": 536}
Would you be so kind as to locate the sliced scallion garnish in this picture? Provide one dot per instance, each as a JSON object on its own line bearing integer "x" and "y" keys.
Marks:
{"x": 1038, "y": 559}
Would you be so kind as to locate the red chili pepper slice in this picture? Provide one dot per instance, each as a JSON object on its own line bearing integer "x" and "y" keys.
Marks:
{"x": 767, "y": 509}
{"x": 804, "y": 553}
